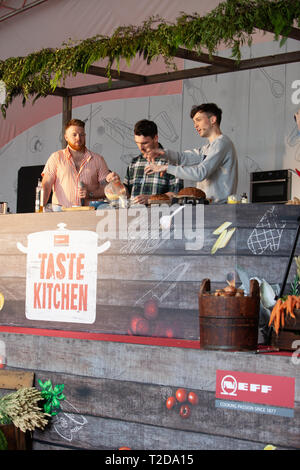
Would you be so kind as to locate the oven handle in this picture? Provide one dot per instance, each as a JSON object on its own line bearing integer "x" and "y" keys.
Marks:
{"x": 268, "y": 181}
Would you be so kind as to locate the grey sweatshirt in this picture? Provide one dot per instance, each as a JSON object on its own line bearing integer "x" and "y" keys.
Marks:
{"x": 216, "y": 163}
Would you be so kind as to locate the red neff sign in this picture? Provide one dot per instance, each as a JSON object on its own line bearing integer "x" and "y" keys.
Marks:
{"x": 255, "y": 388}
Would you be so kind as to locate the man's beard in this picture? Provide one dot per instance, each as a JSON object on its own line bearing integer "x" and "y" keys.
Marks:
{"x": 77, "y": 147}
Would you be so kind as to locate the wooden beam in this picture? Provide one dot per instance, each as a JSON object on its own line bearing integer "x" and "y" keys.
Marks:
{"x": 101, "y": 87}
{"x": 59, "y": 91}
{"x": 115, "y": 74}
{"x": 247, "y": 64}
{"x": 204, "y": 58}
{"x": 293, "y": 34}
{"x": 268, "y": 61}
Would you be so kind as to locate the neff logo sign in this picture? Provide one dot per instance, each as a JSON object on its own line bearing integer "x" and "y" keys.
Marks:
{"x": 230, "y": 386}
{"x": 296, "y": 94}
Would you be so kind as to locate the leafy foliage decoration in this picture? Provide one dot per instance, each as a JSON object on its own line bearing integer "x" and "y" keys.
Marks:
{"x": 232, "y": 24}
{"x": 52, "y": 396}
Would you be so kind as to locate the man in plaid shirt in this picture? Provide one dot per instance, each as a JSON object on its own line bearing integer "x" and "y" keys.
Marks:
{"x": 139, "y": 185}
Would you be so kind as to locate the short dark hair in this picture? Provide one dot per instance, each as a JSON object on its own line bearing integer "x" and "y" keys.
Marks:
{"x": 146, "y": 128}
{"x": 74, "y": 122}
{"x": 211, "y": 109}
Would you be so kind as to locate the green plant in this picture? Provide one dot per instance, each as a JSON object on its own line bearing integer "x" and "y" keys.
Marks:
{"x": 29, "y": 408}
{"x": 3, "y": 441}
{"x": 232, "y": 23}
{"x": 295, "y": 283}
{"x": 52, "y": 397}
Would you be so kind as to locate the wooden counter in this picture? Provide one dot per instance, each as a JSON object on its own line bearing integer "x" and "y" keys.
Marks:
{"x": 117, "y": 381}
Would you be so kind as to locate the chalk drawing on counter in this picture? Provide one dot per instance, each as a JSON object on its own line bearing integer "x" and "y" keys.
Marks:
{"x": 267, "y": 233}
{"x": 68, "y": 421}
{"x": 142, "y": 241}
{"x": 276, "y": 86}
{"x": 160, "y": 292}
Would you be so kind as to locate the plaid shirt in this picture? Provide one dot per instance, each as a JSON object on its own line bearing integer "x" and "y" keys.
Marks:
{"x": 139, "y": 183}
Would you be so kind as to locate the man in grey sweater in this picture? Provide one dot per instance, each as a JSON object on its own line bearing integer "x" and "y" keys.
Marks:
{"x": 215, "y": 163}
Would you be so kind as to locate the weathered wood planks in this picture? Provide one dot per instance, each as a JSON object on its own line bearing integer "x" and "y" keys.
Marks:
{"x": 115, "y": 391}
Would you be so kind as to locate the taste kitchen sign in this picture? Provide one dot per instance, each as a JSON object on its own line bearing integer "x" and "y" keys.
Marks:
{"x": 61, "y": 277}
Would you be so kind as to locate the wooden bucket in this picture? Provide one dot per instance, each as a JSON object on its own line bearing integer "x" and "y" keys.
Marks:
{"x": 16, "y": 439}
{"x": 229, "y": 323}
{"x": 287, "y": 338}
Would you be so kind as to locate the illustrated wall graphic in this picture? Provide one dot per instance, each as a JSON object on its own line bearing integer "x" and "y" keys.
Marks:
{"x": 293, "y": 138}
{"x": 61, "y": 277}
{"x": 267, "y": 233}
{"x": 119, "y": 131}
{"x": 195, "y": 92}
{"x": 251, "y": 165}
{"x": 276, "y": 86}
{"x": 142, "y": 241}
{"x": 36, "y": 144}
{"x": 122, "y": 132}
{"x": 160, "y": 291}
{"x": 68, "y": 422}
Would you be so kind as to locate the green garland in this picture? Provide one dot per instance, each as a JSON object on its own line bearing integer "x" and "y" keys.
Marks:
{"x": 231, "y": 23}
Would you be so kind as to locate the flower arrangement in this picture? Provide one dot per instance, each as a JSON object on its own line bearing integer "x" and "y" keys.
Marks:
{"x": 29, "y": 408}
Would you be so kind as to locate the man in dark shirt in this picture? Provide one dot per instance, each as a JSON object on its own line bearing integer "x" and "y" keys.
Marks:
{"x": 139, "y": 185}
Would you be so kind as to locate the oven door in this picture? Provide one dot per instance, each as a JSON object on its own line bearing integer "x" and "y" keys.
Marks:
{"x": 270, "y": 191}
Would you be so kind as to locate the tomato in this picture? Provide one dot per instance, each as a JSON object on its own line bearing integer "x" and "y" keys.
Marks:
{"x": 150, "y": 309}
{"x": 171, "y": 401}
{"x": 181, "y": 395}
{"x": 185, "y": 411}
{"x": 193, "y": 398}
{"x": 140, "y": 326}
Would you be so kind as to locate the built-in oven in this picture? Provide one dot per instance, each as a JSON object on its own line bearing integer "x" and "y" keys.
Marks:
{"x": 270, "y": 186}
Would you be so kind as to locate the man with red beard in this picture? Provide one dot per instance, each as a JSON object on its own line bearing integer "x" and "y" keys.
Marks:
{"x": 75, "y": 173}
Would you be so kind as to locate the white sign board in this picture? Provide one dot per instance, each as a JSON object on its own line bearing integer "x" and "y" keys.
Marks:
{"x": 61, "y": 277}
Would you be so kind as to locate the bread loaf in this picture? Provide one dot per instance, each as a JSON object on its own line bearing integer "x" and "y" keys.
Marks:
{"x": 191, "y": 191}
{"x": 158, "y": 198}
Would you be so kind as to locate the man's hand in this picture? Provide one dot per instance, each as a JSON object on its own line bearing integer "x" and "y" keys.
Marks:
{"x": 153, "y": 168}
{"x": 297, "y": 118}
{"x": 151, "y": 155}
{"x": 141, "y": 199}
{"x": 112, "y": 176}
